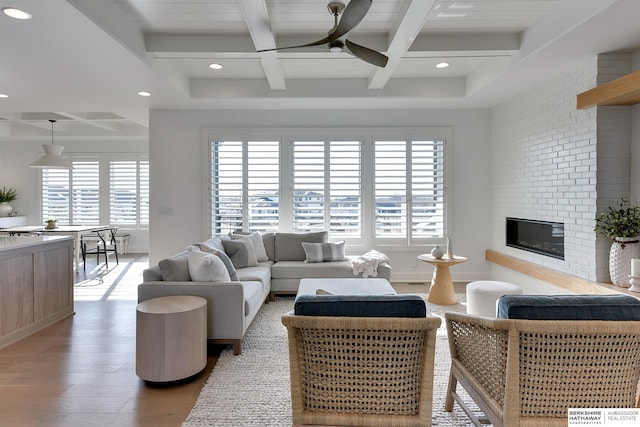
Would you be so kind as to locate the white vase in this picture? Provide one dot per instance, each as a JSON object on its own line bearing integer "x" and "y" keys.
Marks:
{"x": 5, "y": 209}
{"x": 437, "y": 252}
{"x": 623, "y": 250}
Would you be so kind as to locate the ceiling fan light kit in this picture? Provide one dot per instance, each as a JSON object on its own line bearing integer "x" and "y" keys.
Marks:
{"x": 352, "y": 15}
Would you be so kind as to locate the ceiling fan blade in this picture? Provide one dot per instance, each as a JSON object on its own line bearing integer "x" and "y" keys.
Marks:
{"x": 366, "y": 54}
{"x": 352, "y": 15}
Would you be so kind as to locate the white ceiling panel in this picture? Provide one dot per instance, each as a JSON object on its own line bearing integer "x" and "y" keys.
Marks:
{"x": 93, "y": 56}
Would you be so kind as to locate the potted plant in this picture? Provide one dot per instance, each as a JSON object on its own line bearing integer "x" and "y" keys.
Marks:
{"x": 51, "y": 223}
{"x": 622, "y": 224}
{"x": 6, "y": 197}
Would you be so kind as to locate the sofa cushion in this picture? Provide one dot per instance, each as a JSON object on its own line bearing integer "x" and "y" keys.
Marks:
{"x": 152, "y": 274}
{"x": 405, "y": 305}
{"x": 569, "y": 307}
{"x": 269, "y": 241}
{"x": 288, "y": 246}
{"x": 301, "y": 269}
{"x": 256, "y": 274}
{"x": 256, "y": 241}
{"x": 240, "y": 252}
{"x": 176, "y": 268}
{"x": 205, "y": 247}
{"x": 206, "y": 267}
{"x": 323, "y": 252}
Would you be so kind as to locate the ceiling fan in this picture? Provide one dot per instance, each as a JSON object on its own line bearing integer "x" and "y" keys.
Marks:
{"x": 352, "y": 14}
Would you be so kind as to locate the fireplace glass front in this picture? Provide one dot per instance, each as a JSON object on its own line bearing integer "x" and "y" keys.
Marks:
{"x": 541, "y": 237}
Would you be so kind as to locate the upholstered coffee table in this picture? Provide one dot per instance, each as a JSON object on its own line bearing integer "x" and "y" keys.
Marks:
{"x": 345, "y": 286}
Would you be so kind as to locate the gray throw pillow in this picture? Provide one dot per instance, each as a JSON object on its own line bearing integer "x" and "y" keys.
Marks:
{"x": 256, "y": 241}
{"x": 324, "y": 252}
{"x": 215, "y": 242}
{"x": 176, "y": 268}
{"x": 204, "y": 247}
{"x": 288, "y": 246}
{"x": 240, "y": 252}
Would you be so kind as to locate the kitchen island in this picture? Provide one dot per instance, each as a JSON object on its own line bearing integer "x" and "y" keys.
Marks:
{"x": 36, "y": 284}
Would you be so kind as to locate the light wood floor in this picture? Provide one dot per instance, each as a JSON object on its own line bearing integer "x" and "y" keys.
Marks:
{"x": 81, "y": 371}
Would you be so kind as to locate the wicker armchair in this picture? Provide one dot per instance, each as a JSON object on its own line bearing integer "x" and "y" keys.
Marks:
{"x": 530, "y": 372}
{"x": 365, "y": 371}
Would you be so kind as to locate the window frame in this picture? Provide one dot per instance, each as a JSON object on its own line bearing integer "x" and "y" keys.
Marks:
{"x": 286, "y": 136}
{"x": 104, "y": 168}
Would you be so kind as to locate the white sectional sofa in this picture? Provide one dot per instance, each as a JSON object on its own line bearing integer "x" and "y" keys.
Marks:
{"x": 279, "y": 264}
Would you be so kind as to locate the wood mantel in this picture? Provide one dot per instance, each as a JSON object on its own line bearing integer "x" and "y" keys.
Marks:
{"x": 621, "y": 91}
{"x": 563, "y": 280}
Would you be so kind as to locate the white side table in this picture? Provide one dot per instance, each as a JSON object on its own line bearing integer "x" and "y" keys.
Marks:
{"x": 171, "y": 338}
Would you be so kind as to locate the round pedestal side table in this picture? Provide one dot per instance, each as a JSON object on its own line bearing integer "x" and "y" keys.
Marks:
{"x": 441, "y": 291}
{"x": 171, "y": 338}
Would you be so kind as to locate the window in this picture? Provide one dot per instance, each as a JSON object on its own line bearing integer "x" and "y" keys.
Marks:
{"x": 367, "y": 188}
{"x": 129, "y": 193}
{"x": 409, "y": 188}
{"x": 327, "y": 187}
{"x": 245, "y": 180}
{"x": 74, "y": 196}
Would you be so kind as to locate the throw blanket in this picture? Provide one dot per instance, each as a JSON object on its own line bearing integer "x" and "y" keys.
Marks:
{"x": 367, "y": 264}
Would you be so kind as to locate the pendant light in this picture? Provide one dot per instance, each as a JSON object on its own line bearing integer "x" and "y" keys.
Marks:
{"x": 52, "y": 158}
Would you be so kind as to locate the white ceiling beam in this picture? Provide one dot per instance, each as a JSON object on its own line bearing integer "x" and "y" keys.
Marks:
{"x": 257, "y": 19}
{"x": 407, "y": 29}
{"x": 207, "y": 46}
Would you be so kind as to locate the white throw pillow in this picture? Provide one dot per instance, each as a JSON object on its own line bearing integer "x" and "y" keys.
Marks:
{"x": 256, "y": 241}
{"x": 205, "y": 267}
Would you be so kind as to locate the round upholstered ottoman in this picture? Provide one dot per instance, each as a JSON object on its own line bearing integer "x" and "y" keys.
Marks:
{"x": 483, "y": 294}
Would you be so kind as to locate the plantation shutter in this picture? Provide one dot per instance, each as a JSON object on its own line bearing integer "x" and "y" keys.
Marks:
{"x": 85, "y": 183}
{"x": 308, "y": 186}
{"x": 144, "y": 193}
{"x": 226, "y": 186}
{"x": 345, "y": 188}
{"x": 427, "y": 188}
{"x": 390, "y": 188}
{"x": 263, "y": 181}
{"x": 55, "y": 195}
{"x": 123, "y": 181}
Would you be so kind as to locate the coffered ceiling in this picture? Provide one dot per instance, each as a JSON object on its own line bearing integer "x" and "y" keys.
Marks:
{"x": 85, "y": 60}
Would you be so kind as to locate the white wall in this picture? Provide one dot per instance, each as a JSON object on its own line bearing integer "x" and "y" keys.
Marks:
{"x": 556, "y": 163}
{"x": 177, "y": 149}
{"x": 16, "y": 156}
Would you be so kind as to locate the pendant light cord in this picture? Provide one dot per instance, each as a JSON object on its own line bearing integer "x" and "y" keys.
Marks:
{"x": 52, "y": 122}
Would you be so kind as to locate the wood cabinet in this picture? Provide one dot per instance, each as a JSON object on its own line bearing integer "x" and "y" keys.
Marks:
{"x": 36, "y": 284}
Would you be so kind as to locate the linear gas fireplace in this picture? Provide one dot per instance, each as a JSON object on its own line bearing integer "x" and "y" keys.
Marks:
{"x": 541, "y": 237}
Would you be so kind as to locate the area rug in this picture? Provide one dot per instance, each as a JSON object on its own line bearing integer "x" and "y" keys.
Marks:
{"x": 253, "y": 389}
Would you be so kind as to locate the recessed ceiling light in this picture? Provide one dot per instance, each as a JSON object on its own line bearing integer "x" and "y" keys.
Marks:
{"x": 215, "y": 66}
{"x": 144, "y": 93}
{"x": 16, "y": 13}
{"x": 442, "y": 65}
{"x": 2, "y": 95}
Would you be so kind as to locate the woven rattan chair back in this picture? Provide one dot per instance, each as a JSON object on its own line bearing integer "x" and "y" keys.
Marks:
{"x": 528, "y": 372}
{"x": 362, "y": 371}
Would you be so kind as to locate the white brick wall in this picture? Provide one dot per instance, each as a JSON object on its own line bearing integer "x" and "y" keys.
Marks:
{"x": 552, "y": 162}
